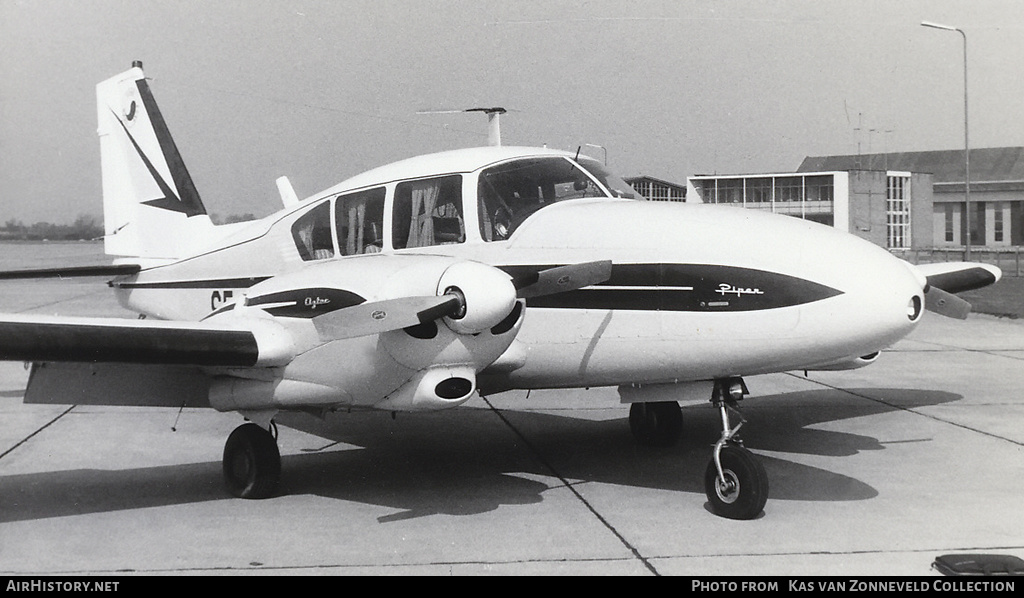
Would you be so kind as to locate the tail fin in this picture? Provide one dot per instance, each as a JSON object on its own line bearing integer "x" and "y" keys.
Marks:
{"x": 151, "y": 208}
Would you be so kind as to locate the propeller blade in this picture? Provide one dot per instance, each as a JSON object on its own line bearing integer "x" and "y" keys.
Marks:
{"x": 946, "y": 304}
{"x": 562, "y": 278}
{"x": 376, "y": 317}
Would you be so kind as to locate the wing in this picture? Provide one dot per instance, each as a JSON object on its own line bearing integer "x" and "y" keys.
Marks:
{"x": 117, "y": 361}
{"x": 944, "y": 279}
{"x": 957, "y": 277}
{"x": 74, "y": 271}
{"x": 119, "y": 340}
{"x": 120, "y": 361}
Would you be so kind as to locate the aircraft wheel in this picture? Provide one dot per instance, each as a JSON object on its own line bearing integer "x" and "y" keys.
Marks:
{"x": 656, "y": 424}
{"x": 252, "y": 462}
{"x": 744, "y": 492}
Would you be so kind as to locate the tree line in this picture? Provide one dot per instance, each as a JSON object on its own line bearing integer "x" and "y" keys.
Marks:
{"x": 85, "y": 228}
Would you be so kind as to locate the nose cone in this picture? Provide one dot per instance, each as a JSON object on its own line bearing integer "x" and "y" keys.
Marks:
{"x": 883, "y": 297}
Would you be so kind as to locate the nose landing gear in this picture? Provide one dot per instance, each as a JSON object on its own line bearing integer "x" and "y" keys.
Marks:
{"x": 735, "y": 481}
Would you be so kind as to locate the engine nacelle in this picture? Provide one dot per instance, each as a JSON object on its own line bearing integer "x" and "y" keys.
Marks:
{"x": 433, "y": 389}
{"x": 229, "y": 393}
{"x": 847, "y": 364}
{"x": 428, "y": 366}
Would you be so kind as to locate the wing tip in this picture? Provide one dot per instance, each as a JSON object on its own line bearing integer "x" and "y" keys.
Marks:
{"x": 957, "y": 277}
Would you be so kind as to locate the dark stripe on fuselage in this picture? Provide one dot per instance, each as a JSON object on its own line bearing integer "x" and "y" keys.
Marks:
{"x": 305, "y": 303}
{"x": 684, "y": 287}
{"x": 35, "y": 341}
{"x": 641, "y": 287}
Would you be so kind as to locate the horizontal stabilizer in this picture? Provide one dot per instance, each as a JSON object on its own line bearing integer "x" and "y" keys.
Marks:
{"x": 75, "y": 271}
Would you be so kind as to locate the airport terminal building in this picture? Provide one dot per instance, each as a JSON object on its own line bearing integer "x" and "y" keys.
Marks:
{"x": 907, "y": 200}
{"x": 657, "y": 189}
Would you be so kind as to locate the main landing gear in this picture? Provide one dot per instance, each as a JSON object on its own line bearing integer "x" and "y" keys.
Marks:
{"x": 252, "y": 462}
{"x": 735, "y": 481}
{"x": 657, "y": 423}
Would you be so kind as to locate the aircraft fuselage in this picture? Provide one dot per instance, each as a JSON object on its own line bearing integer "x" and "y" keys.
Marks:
{"x": 696, "y": 292}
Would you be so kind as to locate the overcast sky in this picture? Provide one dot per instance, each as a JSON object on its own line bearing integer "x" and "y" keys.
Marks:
{"x": 322, "y": 90}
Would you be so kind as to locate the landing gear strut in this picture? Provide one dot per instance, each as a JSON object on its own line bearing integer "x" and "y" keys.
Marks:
{"x": 252, "y": 462}
{"x": 735, "y": 481}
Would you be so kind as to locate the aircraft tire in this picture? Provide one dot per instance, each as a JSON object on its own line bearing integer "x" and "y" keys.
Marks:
{"x": 747, "y": 492}
{"x": 656, "y": 424}
{"x": 252, "y": 462}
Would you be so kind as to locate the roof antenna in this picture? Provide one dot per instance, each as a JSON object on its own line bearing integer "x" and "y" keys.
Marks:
{"x": 493, "y": 123}
{"x": 493, "y": 120}
{"x": 174, "y": 426}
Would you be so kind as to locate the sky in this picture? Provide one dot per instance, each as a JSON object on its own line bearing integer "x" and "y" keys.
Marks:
{"x": 323, "y": 90}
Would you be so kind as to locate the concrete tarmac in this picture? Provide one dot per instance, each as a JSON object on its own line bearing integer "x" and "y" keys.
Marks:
{"x": 873, "y": 472}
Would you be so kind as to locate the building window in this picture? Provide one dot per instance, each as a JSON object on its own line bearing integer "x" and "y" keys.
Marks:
{"x": 789, "y": 188}
{"x": 759, "y": 190}
{"x": 950, "y": 234}
{"x": 819, "y": 188}
{"x": 730, "y": 191}
{"x": 997, "y": 222}
{"x": 708, "y": 194}
{"x": 897, "y": 212}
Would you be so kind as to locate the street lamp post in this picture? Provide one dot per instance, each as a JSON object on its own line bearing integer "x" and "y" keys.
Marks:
{"x": 967, "y": 147}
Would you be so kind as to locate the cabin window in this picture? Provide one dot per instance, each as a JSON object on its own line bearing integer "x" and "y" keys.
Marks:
{"x": 428, "y": 212}
{"x": 359, "y": 219}
{"x": 510, "y": 192}
{"x": 312, "y": 233}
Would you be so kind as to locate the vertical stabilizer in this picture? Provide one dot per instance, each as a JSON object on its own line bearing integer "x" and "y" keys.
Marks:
{"x": 151, "y": 208}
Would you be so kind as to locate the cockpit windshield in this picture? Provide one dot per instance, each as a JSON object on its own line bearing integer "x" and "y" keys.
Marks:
{"x": 617, "y": 186}
{"x": 510, "y": 192}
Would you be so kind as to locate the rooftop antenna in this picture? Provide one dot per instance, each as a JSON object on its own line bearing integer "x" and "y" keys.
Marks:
{"x": 493, "y": 120}
{"x": 858, "y": 129}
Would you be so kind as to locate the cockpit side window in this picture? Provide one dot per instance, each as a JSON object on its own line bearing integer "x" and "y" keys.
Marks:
{"x": 312, "y": 233}
{"x": 359, "y": 219}
{"x": 509, "y": 193}
{"x": 428, "y": 212}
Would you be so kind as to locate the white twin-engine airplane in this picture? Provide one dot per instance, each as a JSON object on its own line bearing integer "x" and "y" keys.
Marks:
{"x": 418, "y": 284}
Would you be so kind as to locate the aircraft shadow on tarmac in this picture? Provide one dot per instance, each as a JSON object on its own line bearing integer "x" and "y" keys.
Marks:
{"x": 468, "y": 461}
